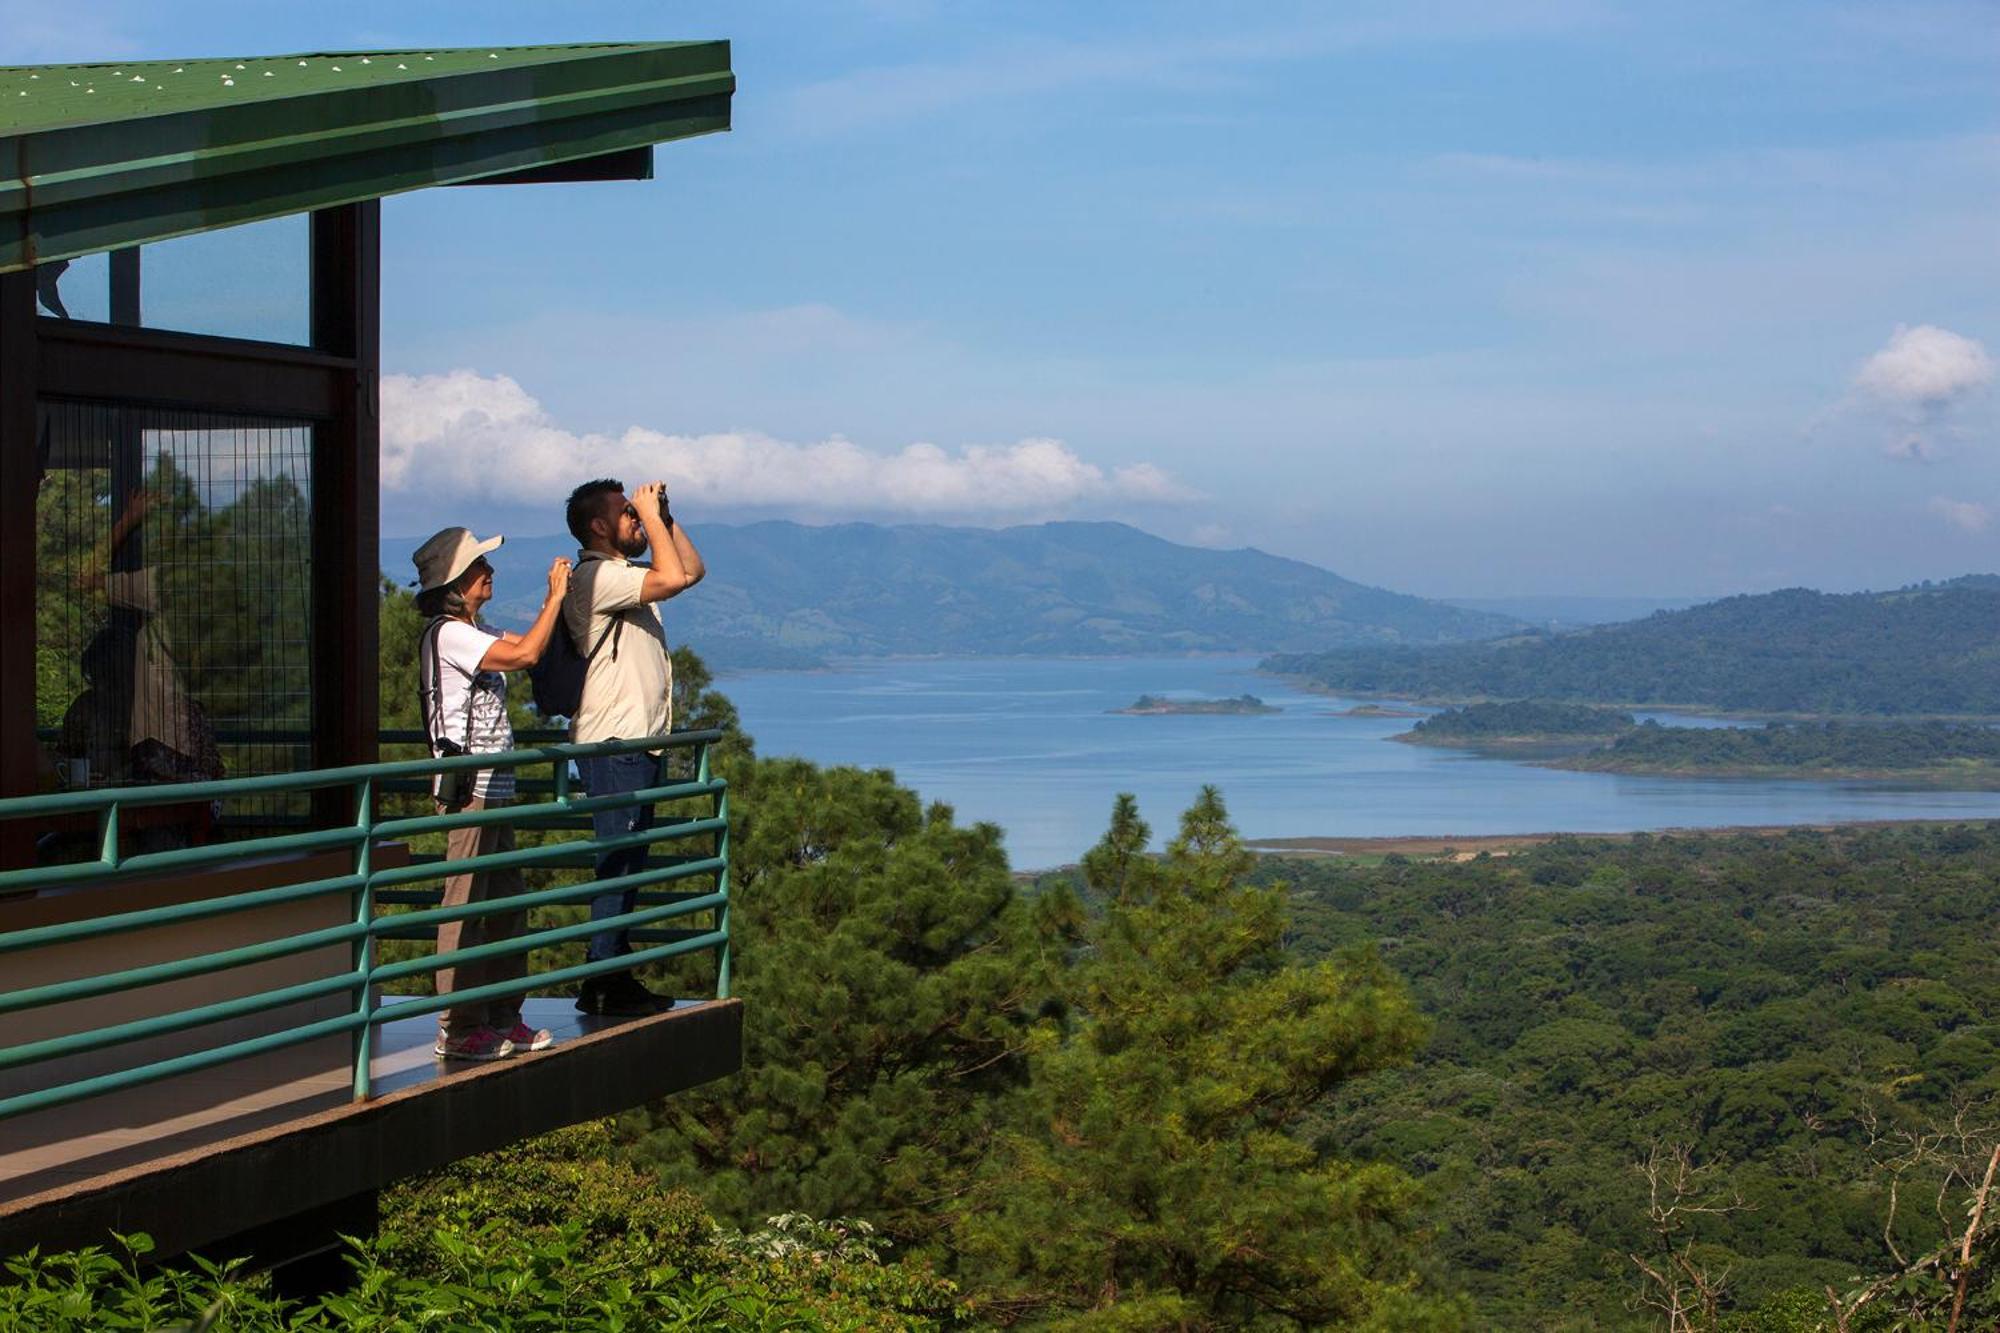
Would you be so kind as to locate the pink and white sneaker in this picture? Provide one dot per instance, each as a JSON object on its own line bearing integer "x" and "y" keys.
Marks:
{"x": 478, "y": 1044}
{"x": 525, "y": 1038}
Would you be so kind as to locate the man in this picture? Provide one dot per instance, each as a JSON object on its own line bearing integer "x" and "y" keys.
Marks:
{"x": 613, "y": 617}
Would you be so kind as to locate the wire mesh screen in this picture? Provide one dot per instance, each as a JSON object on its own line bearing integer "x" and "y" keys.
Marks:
{"x": 173, "y": 618}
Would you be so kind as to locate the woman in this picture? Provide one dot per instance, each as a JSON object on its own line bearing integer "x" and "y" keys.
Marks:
{"x": 462, "y": 685}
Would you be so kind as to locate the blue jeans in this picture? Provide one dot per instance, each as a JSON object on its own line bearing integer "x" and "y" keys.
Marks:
{"x": 606, "y": 775}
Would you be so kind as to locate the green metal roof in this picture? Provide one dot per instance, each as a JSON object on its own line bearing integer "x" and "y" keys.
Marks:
{"x": 98, "y": 157}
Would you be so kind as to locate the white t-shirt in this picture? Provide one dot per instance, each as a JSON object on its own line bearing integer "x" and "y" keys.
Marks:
{"x": 459, "y": 648}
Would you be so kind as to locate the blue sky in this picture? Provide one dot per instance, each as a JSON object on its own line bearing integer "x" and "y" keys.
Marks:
{"x": 1464, "y": 299}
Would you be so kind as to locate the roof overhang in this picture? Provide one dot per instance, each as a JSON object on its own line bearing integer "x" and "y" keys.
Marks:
{"x": 101, "y": 157}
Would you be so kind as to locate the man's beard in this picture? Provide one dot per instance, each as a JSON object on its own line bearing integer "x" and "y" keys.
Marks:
{"x": 636, "y": 545}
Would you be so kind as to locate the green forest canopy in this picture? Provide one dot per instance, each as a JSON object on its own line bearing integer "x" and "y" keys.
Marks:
{"x": 1535, "y": 719}
{"x": 1803, "y": 747}
{"x": 1807, "y": 1018}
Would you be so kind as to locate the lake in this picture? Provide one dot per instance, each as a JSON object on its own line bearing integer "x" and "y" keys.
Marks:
{"x": 1030, "y": 744}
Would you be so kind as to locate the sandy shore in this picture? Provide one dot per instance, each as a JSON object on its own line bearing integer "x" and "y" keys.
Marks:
{"x": 1464, "y": 848}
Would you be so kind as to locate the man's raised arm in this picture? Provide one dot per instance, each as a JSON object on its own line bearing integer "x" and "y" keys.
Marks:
{"x": 677, "y": 566}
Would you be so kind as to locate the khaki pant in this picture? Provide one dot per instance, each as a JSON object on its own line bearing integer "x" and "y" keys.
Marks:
{"x": 459, "y": 890}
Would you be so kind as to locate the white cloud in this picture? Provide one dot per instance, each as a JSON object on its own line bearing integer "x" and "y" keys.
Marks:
{"x": 1962, "y": 514}
{"x": 484, "y": 437}
{"x": 1926, "y": 368}
{"x": 1920, "y": 384}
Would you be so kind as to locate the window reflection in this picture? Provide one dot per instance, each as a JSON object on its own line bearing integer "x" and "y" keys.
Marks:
{"x": 172, "y": 617}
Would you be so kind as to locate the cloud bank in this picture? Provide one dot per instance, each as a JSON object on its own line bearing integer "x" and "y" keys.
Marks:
{"x": 483, "y": 437}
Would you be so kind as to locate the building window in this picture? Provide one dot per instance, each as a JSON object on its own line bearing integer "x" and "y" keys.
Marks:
{"x": 173, "y": 615}
{"x": 252, "y": 281}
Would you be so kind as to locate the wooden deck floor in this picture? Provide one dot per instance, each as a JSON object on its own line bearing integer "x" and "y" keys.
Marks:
{"x": 69, "y": 1145}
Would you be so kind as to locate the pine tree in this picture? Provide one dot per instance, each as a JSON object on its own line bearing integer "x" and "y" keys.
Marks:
{"x": 1154, "y": 1175}
{"x": 890, "y": 974}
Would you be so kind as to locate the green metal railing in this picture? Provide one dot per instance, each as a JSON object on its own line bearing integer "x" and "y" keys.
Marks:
{"x": 369, "y": 889}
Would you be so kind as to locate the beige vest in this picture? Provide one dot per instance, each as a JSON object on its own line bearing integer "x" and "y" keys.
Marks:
{"x": 628, "y": 688}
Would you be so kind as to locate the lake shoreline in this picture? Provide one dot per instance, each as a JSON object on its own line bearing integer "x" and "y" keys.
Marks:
{"x": 1585, "y": 754}
{"x": 1469, "y": 845}
{"x": 1505, "y": 747}
{"x": 1310, "y": 685}
{"x": 1939, "y": 778}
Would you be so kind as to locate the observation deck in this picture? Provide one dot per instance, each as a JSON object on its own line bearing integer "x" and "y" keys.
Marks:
{"x": 218, "y": 1022}
{"x": 215, "y": 894}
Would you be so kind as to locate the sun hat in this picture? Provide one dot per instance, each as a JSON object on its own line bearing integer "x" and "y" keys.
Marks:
{"x": 447, "y": 555}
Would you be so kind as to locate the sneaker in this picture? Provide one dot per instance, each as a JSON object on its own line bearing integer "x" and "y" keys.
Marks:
{"x": 640, "y": 995}
{"x": 478, "y": 1044}
{"x": 607, "y": 997}
{"x": 525, "y": 1038}
{"x": 616, "y": 996}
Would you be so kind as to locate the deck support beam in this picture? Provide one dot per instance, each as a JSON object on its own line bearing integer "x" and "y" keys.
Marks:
{"x": 346, "y": 495}
{"x": 318, "y": 1160}
{"x": 20, "y": 477}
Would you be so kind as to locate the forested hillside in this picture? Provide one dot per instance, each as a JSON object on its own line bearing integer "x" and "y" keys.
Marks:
{"x": 1787, "y": 1026}
{"x": 1922, "y": 650}
{"x": 780, "y": 594}
{"x": 1609, "y": 740}
{"x": 1959, "y": 753}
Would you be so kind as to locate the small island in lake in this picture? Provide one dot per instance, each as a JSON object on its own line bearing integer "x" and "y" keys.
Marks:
{"x": 1151, "y": 705}
{"x": 1524, "y": 723}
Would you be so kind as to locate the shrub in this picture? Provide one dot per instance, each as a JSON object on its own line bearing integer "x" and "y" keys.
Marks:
{"x": 550, "y": 1234}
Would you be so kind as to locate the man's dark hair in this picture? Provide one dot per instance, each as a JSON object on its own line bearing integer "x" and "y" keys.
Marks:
{"x": 587, "y": 502}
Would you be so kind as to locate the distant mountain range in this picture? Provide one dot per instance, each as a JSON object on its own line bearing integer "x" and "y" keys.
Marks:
{"x": 787, "y": 595}
{"x": 1932, "y": 648}
{"x": 1559, "y": 613}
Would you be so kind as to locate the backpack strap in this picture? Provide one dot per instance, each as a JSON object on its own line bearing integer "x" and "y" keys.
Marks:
{"x": 426, "y": 700}
{"x": 431, "y": 729}
{"x": 471, "y": 693}
{"x": 617, "y": 627}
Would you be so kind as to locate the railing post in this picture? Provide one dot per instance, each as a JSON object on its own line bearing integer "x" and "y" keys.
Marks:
{"x": 721, "y": 887}
{"x": 364, "y": 944}
{"x": 702, "y": 773}
{"x": 107, "y": 850}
